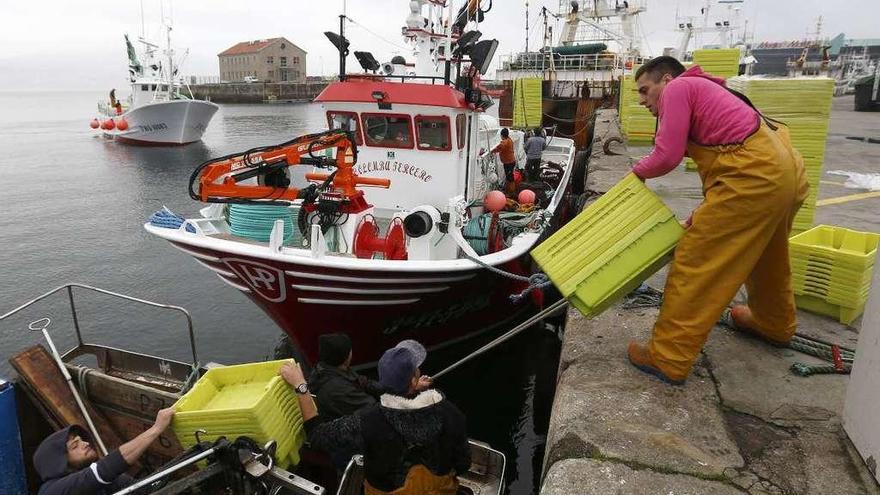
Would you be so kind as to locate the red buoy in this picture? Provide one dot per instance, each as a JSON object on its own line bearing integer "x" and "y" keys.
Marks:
{"x": 94, "y": 124}
{"x": 108, "y": 125}
{"x": 122, "y": 124}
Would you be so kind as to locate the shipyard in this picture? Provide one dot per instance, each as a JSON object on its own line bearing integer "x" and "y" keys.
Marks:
{"x": 441, "y": 247}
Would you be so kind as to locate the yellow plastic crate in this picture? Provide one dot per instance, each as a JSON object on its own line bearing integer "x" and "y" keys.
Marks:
{"x": 818, "y": 305}
{"x": 839, "y": 246}
{"x": 247, "y": 399}
{"x": 611, "y": 247}
{"x": 527, "y": 102}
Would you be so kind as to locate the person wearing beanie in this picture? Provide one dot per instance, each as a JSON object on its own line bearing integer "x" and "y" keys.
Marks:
{"x": 414, "y": 440}
{"x": 338, "y": 390}
{"x": 68, "y": 463}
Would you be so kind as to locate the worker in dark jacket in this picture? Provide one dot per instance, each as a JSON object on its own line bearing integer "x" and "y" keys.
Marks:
{"x": 414, "y": 441}
{"x": 338, "y": 390}
{"x": 534, "y": 147}
{"x": 68, "y": 463}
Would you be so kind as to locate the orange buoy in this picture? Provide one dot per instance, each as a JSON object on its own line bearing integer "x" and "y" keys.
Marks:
{"x": 122, "y": 124}
{"x": 108, "y": 125}
{"x": 94, "y": 124}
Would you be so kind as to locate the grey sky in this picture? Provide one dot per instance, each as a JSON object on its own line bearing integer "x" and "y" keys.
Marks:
{"x": 63, "y": 44}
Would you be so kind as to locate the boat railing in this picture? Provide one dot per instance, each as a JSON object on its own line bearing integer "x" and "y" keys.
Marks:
{"x": 544, "y": 61}
{"x": 126, "y": 363}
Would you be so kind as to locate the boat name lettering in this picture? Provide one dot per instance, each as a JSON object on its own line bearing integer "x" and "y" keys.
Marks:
{"x": 437, "y": 316}
{"x": 238, "y": 163}
{"x": 393, "y": 166}
{"x": 161, "y": 126}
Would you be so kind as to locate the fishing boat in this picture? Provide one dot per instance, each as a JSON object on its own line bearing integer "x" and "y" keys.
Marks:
{"x": 122, "y": 391}
{"x": 419, "y": 254}
{"x": 161, "y": 110}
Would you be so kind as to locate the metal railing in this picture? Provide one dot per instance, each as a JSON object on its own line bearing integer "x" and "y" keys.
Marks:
{"x": 541, "y": 62}
{"x": 69, "y": 288}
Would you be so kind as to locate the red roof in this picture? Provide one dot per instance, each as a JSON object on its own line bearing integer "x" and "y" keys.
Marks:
{"x": 361, "y": 91}
{"x": 248, "y": 47}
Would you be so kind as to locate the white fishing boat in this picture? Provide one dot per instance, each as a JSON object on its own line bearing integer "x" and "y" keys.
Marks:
{"x": 160, "y": 110}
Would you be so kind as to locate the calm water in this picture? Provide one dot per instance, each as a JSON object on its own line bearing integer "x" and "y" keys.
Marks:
{"x": 73, "y": 206}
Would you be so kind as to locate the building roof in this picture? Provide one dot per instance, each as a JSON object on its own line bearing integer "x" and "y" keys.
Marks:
{"x": 252, "y": 46}
{"x": 361, "y": 90}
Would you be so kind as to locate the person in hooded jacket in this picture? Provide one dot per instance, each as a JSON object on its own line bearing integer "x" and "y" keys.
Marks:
{"x": 754, "y": 182}
{"x": 338, "y": 390}
{"x": 68, "y": 463}
{"x": 414, "y": 441}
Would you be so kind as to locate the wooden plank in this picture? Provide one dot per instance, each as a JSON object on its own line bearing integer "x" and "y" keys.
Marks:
{"x": 41, "y": 375}
{"x": 133, "y": 398}
{"x": 165, "y": 448}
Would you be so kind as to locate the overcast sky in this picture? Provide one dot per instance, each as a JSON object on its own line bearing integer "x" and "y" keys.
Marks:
{"x": 64, "y": 44}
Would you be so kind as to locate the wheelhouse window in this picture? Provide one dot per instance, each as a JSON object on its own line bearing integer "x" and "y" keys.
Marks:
{"x": 347, "y": 121}
{"x": 461, "y": 129}
{"x": 432, "y": 133}
{"x": 387, "y": 130}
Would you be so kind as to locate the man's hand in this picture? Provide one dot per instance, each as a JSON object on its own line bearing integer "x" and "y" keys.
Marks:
{"x": 425, "y": 383}
{"x": 292, "y": 373}
{"x": 163, "y": 419}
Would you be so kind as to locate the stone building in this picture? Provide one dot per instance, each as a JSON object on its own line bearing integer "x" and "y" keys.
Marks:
{"x": 270, "y": 60}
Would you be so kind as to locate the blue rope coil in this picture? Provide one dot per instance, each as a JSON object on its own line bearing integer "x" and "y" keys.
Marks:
{"x": 256, "y": 221}
{"x": 167, "y": 219}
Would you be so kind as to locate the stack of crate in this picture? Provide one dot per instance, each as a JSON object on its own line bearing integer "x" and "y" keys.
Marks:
{"x": 804, "y": 105}
{"x": 636, "y": 122}
{"x": 720, "y": 63}
{"x": 242, "y": 400}
{"x": 831, "y": 270}
{"x": 527, "y": 102}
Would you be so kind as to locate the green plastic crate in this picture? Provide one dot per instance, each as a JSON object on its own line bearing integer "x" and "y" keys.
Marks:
{"x": 837, "y": 244}
{"x": 611, "y": 247}
{"x": 818, "y": 305}
{"x": 247, "y": 399}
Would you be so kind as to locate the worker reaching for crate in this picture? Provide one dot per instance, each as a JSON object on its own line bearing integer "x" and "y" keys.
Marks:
{"x": 753, "y": 184}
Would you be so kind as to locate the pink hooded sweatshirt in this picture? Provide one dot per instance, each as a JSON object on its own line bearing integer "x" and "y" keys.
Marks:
{"x": 695, "y": 106}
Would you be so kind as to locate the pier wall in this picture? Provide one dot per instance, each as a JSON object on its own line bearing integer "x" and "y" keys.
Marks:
{"x": 257, "y": 92}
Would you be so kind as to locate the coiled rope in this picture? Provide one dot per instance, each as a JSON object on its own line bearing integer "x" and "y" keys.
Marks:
{"x": 256, "y": 221}
{"x": 167, "y": 219}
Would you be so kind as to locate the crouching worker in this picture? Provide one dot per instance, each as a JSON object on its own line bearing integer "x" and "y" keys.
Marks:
{"x": 413, "y": 441}
{"x": 68, "y": 463}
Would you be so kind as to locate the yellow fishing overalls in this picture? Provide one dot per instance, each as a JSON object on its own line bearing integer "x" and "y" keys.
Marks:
{"x": 739, "y": 234}
{"x": 420, "y": 481}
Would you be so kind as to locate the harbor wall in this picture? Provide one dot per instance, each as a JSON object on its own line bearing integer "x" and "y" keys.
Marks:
{"x": 258, "y": 92}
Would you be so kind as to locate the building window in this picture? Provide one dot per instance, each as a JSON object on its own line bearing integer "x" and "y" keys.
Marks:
{"x": 283, "y": 74}
{"x": 144, "y": 87}
{"x": 460, "y": 129}
{"x": 282, "y": 46}
{"x": 347, "y": 121}
{"x": 283, "y": 61}
{"x": 270, "y": 60}
{"x": 295, "y": 60}
{"x": 387, "y": 131}
{"x": 432, "y": 133}
{"x": 269, "y": 74}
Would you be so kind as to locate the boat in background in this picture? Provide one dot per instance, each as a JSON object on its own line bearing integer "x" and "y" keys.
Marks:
{"x": 158, "y": 111}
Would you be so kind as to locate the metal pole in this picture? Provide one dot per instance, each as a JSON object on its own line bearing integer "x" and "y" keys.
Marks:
{"x": 341, "y": 50}
{"x": 161, "y": 474}
{"x": 36, "y": 325}
{"x": 550, "y": 310}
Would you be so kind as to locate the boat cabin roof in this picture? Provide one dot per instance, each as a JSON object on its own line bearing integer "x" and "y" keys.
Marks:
{"x": 363, "y": 90}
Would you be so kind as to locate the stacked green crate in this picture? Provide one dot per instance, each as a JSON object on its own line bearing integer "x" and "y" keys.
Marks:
{"x": 831, "y": 270}
{"x": 247, "y": 399}
{"x": 527, "y": 102}
{"x": 611, "y": 247}
{"x": 721, "y": 63}
{"x": 804, "y": 105}
{"x": 636, "y": 121}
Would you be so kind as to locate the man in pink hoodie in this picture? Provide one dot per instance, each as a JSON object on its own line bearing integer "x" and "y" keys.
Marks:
{"x": 753, "y": 184}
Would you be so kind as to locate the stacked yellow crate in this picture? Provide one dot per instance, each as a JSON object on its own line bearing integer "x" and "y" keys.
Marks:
{"x": 721, "y": 63}
{"x": 636, "y": 122}
{"x": 804, "y": 105}
{"x": 831, "y": 270}
{"x": 527, "y": 102}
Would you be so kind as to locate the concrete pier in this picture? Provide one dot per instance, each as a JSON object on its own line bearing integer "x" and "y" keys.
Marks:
{"x": 743, "y": 423}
